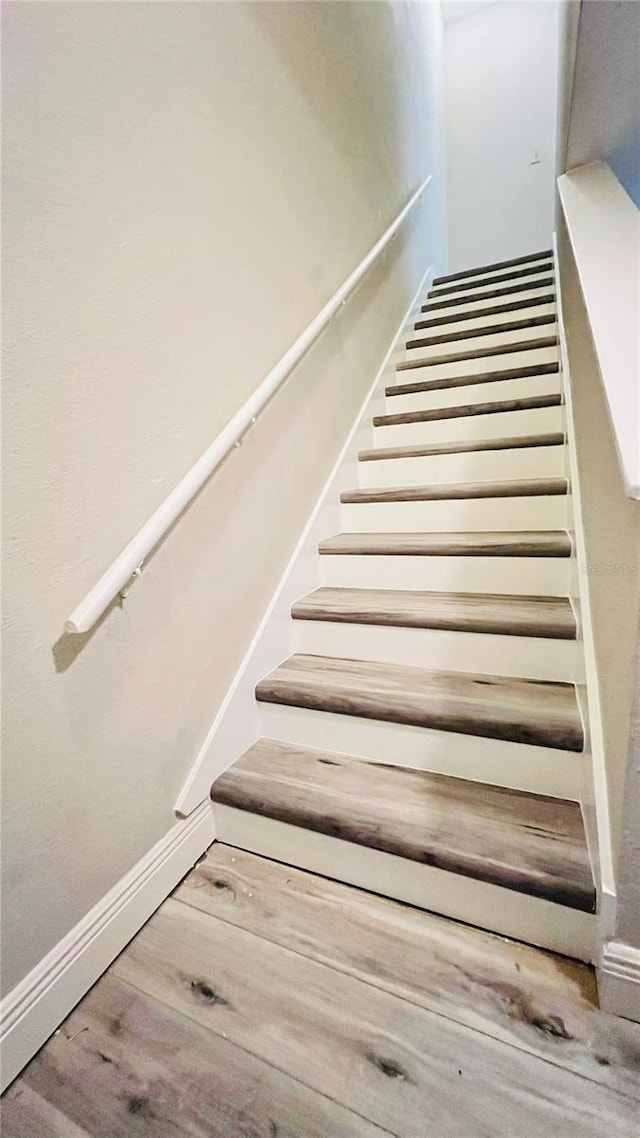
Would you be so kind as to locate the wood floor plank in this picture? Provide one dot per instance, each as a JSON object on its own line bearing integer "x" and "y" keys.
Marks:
{"x": 507, "y": 488}
{"x": 479, "y": 353}
{"x": 553, "y": 438}
{"x": 381, "y": 1056}
{"x": 497, "y": 614}
{"x": 26, "y": 1114}
{"x": 538, "y": 543}
{"x": 127, "y": 1065}
{"x": 524, "y": 372}
{"x": 545, "y": 255}
{"x": 490, "y": 294}
{"x": 466, "y": 411}
{"x": 492, "y": 279}
{"x": 488, "y": 330}
{"x": 525, "y": 842}
{"x": 491, "y": 310}
{"x": 495, "y": 707}
{"x": 523, "y": 996}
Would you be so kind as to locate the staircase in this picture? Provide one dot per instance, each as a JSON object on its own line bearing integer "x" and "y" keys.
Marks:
{"x": 424, "y": 740}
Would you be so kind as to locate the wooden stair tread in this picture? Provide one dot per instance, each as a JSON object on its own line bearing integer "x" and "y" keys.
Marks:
{"x": 524, "y": 372}
{"x": 498, "y": 614}
{"x": 479, "y": 353}
{"x": 465, "y": 410}
{"x": 553, "y": 438}
{"x": 521, "y": 841}
{"x": 521, "y": 543}
{"x": 507, "y": 488}
{"x": 492, "y": 310}
{"x": 490, "y": 294}
{"x": 493, "y": 279}
{"x": 487, "y": 330}
{"x": 537, "y": 712}
{"x": 545, "y": 255}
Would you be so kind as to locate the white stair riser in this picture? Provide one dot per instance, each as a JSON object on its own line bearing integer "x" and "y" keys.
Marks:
{"x": 522, "y": 388}
{"x": 526, "y": 296}
{"x": 441, "y": 292}
{"x": 520, "y": 766}
{"x": 498, "y": 340}
{"x": 535, "y": 658}
{"x": 512, "y": 317}
{"x": 495, "y": 362}
{"x": 511, "y": 270}
{"x": 504, "y": 911}
{"x": 465, "y": 428}
{"x": 513, "y": 576}
{"x": 546, "y": 512}
{"x": 466, "y": 466}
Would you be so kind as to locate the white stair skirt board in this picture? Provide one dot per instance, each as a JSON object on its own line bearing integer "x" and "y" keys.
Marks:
{"x": 458, "y": 515}
{"x": 496, "y": 425}
{"x": 512, "y": 914}
{"x": 497, "y": 362}
{"x": 466, "y": 466}
{"x": 514, "y": 576}
{"x": 236, "y": 725}
{"x": 619, "y": 980}
{"x": 474, "y": 393}
{"x": 473, "y": 305}
{"x": 443, "y": 292}
{"x": 498, "y": 340}
{"x": 520, "y": 766}
{"x": 533, "y": 657}
{"x": 512, "y": 316}
{"x": 35, "y": 1007}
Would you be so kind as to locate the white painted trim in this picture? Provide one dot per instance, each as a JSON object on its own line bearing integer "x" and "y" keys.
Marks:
{"x": 129, "y": 563}
{"x": 236, "y": 726}
{"x": 619, "y": 980}
{"x": 604, "y": 229}
{"x": 35, "y": 1007}
{"x": 592, "y": 713}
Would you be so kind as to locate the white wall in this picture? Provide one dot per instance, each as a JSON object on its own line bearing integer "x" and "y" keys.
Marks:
{"x": 186, "y": 186}
{"x": 501, "y": 84}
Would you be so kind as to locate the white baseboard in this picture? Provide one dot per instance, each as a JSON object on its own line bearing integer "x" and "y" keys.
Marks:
{"x": 619, "y": 980}
{"x": 236, "y": 725}
{"x": 38, "y": 1004}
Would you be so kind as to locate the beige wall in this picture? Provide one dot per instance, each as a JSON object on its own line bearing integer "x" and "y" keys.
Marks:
{"x": 611, "y": 523}
{"x": 501, "y": 94}
{"x": 187, "y": 185}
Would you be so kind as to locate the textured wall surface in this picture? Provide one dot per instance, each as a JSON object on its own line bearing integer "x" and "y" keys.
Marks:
{"x": 187, "y": 185}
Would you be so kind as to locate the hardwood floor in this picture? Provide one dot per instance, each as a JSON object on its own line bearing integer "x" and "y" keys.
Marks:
{"x": 262, "y": 1001}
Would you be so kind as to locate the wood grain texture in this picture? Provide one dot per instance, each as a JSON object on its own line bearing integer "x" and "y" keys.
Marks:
{"x": 469, "y": 380}
{"x": 522, "y": 711}
{"x": 127, "y": 1065}
{"x": 489, "y": 330}
{"x": 492, "y": 279}
{"x": 491, "y": 310}
{"x": 512, "y": 488}
{"x": 546, "y": 255}
{"x": 490, "y": 294}
{"x": 383, "y": 1057}
{"x": 479, "y": 353}
{"x": 538, "y": 543}
{"x": 532, "y": 1000}
{"x": 552, "y": 438}
{"x": 468, "y": 410}
{"x": 499, "y": 614}
{"x": 518, "y": 841}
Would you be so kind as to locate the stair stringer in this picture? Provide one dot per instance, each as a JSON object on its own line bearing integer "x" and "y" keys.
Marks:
{"x": 237, "y": 723}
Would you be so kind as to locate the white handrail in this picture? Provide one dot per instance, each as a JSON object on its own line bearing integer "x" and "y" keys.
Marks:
{"x": 129, "y": 563}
